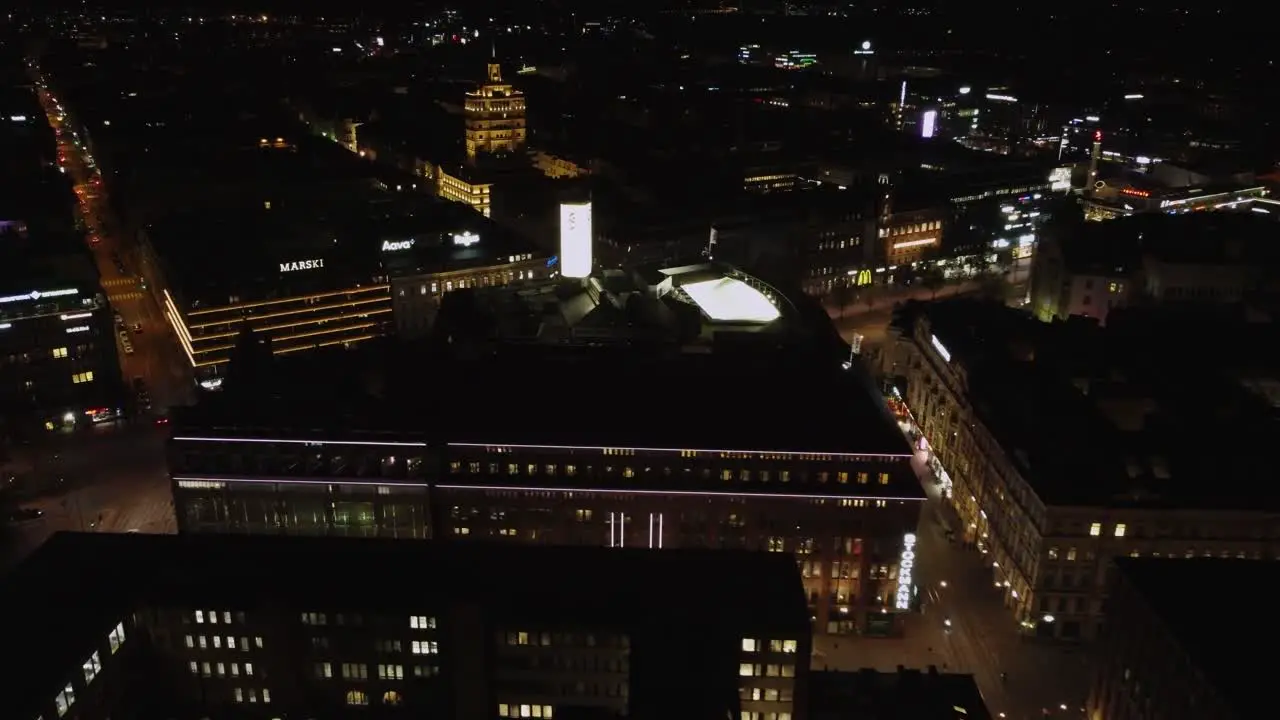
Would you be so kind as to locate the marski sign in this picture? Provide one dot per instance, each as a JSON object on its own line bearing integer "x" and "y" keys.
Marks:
{"x": 301, "y": 265}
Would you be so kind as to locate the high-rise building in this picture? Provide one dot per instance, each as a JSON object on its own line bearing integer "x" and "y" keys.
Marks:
{"x": 494, "y": 115}
{"x": 279, "y": 627}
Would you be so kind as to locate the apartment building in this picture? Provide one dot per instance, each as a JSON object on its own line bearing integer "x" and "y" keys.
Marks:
{"x": 1065, "y": 446}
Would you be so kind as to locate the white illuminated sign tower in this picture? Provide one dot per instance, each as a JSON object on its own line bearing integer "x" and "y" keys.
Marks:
{"x": 575, "y": 239}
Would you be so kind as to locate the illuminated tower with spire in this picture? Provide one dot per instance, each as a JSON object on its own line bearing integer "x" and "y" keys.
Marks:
{"x": 495, "y": 122}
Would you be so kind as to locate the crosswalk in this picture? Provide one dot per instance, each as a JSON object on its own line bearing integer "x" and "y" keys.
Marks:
{"x": 117, "y": 297}
{"x": 107, "y": 284}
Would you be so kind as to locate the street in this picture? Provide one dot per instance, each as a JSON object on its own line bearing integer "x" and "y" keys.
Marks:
{"x": 116, "y": 478}
{"x": 870, "y": 317}
{"x": 982, "y": 639}
{"x": 156, "y": 356}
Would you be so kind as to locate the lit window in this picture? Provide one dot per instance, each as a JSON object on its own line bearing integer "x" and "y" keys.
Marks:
{"x": 199, "y": 616}
{"x": 239, "y": 694}
{"x": 1053, "y": 553}
{"x": 1120, "y": 529}
{"x": 422, "y": 622}
{"x": 391, "y": 697}
{"x": 60, "y": 352}
{"x": 116, "y": 638}
{"x": 1095, "y": 529}
{"x": 266, "y": 695}
{"x": 92, "y": 667}
{"x": 749, "y": 645}
{"x": 356, "y": 697}
{"x": 746, "y": 670}
{"x": 429, "y": 647}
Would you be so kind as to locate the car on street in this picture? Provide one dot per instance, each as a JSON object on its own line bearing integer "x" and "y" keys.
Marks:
{"x": 137, "y": 328}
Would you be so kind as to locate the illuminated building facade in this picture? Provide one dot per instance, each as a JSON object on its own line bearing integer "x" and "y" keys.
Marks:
{"x": 58, "y": 363}
{"x": 494, "y": 116}
{"x": 1108, "y": 200}
{"x": 839, "y": 494}
{"x": 909, "y": 236}
{"x": 972, "y": 373}
{"x": 465, "y": 186}
{"x": 184, "y": 626}
{"x": 314, "y": 292}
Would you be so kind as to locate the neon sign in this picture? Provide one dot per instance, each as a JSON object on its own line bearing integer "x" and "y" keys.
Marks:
{"x": 397, "y": 245}
{"x": 942, "y": 349}
{"x": 301, "y": 265}
{"x": 906, "y": 571}
{"x": 465, "y": 239}
{"x": 36, "y": 295}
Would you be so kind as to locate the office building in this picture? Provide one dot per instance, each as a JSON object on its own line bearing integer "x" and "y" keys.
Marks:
{"x": 1064, "y": 446}
{"x": 1159, "y": 658}
{"x": 1092, "y": 269}
{"x": 327, "y": 282}
{"x": 58, "y": 363}
{"x": 659, "y": 456}
{"x": 185, "y": 626}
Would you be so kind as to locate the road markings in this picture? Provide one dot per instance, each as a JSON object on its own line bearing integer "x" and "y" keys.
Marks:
{"x": 117, "y": 297}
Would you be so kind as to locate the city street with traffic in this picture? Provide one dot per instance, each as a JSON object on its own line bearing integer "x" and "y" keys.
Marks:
{"x": 154, "y": 354}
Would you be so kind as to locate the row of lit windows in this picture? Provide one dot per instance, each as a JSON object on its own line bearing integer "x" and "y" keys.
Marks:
{"x": 766, "y": 670}
{"x": 755, "y": 694}
{"x": 250, "y": 695}
{"x": 512, "y": 710}
{"x": 775, "y": 646}
{"x": 213, "y": 615}
{"x": 82, "y": 377}
{"x": 841, "y": 477}
{"x": 1095, "y": 529}
{"x": 546, "y": 639}
{"x": 208, "y": 669}
{"x": 748, "y": 715}
{"x": 217, "y": 642}
{"x": 91, "y": 668}
{"x": 358, "y": 698}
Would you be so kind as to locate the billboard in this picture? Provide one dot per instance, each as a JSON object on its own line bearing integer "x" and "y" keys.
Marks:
{"x": 929, "y": 123}
{"x": 575, "y": 239}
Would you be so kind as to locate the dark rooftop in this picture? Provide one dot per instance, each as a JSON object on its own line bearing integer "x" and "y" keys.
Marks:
{"x": 904, "y": 695}
{"x": 1112, "y": 416}
{"x": 76, "y": 587}
{"x": 1242, "y": 684}
{"x": 754, "y": 399}
{"x": 1212, "y": 238}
